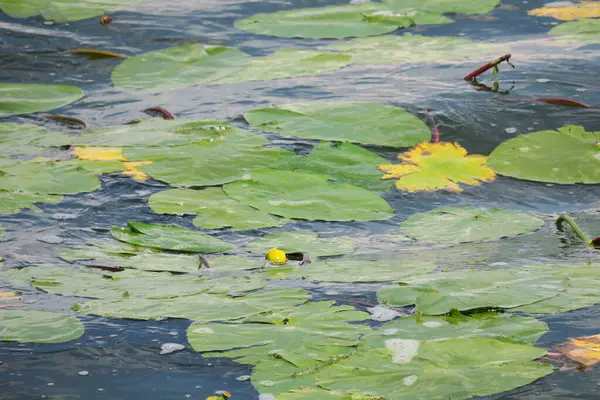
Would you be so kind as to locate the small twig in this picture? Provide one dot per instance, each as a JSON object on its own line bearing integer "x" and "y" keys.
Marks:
{"x": 434, "y": 127}
{"x": 580, "y": 234}
{"x": 487, "y": 66}
{"x": 203, "y": 262}
{"x": 165, "y": 114}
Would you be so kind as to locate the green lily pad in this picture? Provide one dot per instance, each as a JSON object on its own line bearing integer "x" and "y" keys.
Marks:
{"x": 360, "y": 122}
{"x": 439, "y": 369}
{"x": 345, "y": 162}
{"x": 2, "y": 232}
{"x": 409, "y": 49}
{"x": 207, "y": 164}
{"x": 178, "y": 67}
{"x": 201, "y": 307}
{"x": 586, "y": 30}
{"x": 306, "y": 196}
{"x": 22, "y": 98}
{"x": 465, "y": 290}
{"x": 214, "y": 209}
{"x": 468, "y": 224}
{"x": 21, "y": 139}
{"x": 302, "y": 241}
{"x": 351, "y": 270}
{"x": 64, "y": 10}
{"x": 320, "y": 23}
{"x": 288, "y": 63}
{"x": 13, "y": 202}
{"x": 304, "y": 336}
{"x": 567, "y": 155}
{"x": 169, "y": 237}
{"x": 445, "y": 6}
{"x": 31, "y": 326}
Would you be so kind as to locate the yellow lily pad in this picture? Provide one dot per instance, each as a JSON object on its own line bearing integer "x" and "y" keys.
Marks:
{"x": 438, "y": 166}
{"x": 100, "y": 153}
{"x": 569, "y": 12}
{"x": 585, "y": 350}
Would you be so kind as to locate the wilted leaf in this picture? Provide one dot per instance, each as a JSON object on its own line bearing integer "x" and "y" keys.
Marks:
{"x": 569, "y": 12}
{"x": 112, "y": 154}
{"x": 438, "y": 166}
{"x": 21, "y": 98}
{"x": 585, "y": 350}
{"x": 10, "y": 298}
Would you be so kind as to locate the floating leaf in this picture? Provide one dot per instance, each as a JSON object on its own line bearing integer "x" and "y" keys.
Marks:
{"x": 406, "y": 49}
{"x": 468, "y": 224}
{"x": 288, "y": 63}
{"x": 584, "y": 350}
{"x": 438, "y": 369}
{"x": 9, "y": 298}
{"x": 567, "y": 155}
{"x": 360, "y": 122}
{"x": 93, "y": 54}
{"x": 169, "y": 237}
{"x": 569, "y": 12}
{"x": 112, "y": 154}
{"x": 445, "y": 6}
{"x": 345, "y": 162}
{"x": 438, "y": 166}
{"x": 12, "y": 202}
{"x": 21, "y": 139}
{"x": 200, "y": 307}
{"x": 178, "y": 67}
{"x": 465, "y": 290}
{"x": 205, "y": 164}
{"x": 307, "y": 196}
{"x": 31, "y": 326}
{"x": 214, "y": 209}
{"x": 64, "y": 10}
{"x": 585, "y": 30}
{"x": 302, "y": 241}
{"x": 320, "y": 23}
{"x": 21, "y": 98}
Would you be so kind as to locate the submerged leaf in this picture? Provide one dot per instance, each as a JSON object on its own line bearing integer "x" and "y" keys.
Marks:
{"x": 589, "y": 9}
{"x": 22, "y": 98}
{"x": 31, "y": 326}
{"x": 360, "y": 122}
{"x": 438, "y": 166}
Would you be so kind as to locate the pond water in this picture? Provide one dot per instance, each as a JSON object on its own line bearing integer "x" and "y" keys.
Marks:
{"x": 122, "y": 356}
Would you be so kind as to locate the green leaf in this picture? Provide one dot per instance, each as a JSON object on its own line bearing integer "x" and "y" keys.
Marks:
{"x": 465, "y": 290}
{"x": 305, "y": 196}
{"x": 567, "y": 155}
{"x": 214, "y": 209}
{"x": 585, "y": 30}
{"x": 63, "y": 10}
{"x": 22, "y": 139}
{"x": 169, "y": 237}
{"x": 178, "y": 67}
{"x": 345, "y": 162}
{"x": 22, "y": 98}
{"x": 319, "y": 23}
{"x": 288, "y": 63}
{"x": 360, "y": 122}
{"x": 201, "y": 307}
{"x": 445, "y": 6}
{"x": 13, "y": 202}
{"x": 31, "y": 326}
{"x": 206, "y": 164}
{"x": 302, "y": 241}
{"x": 468, "y": 224}
{"x": 439, "y": 369}
{"x": 415, "y": 49}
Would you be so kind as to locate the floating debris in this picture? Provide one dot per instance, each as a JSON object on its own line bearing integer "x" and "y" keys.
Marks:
{"x": 167, "y": 348}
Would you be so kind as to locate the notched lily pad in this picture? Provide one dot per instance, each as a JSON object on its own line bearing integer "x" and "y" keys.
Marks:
{"x": 22, "y": 98}
{"x": 31, "y": 326}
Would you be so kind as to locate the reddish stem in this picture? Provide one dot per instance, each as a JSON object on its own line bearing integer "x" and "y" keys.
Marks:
{"x": 553, "y": 354}
{"x": 165, "y": 114}
{"x": 551, "y": 100}
{"x": 487, "y": 66}
{"x": 434, "y": 128}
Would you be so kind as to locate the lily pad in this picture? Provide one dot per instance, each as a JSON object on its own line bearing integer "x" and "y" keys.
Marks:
{"x": 178, "y": 67}
{"x": 288, "y": 63}
{"x": 306, "y": 196}
{"x": 320, "y": 23}
{"x": 201, "y": 307}
{"x": 169, "y": 237}
{"x": 445, "y": 6}
{"x": 414, "y": 49}
{"x": 345, "y": 162}
{"x": 17, "y": 140}
{"x": 567, "y": 155}
{"x": 13, "y": 202}
{"x": 22, "y": 98}
{"x": 64, "y": 10}
{"x": 468, "y": 224}
{"x": 584, "y": 30}
{"x": 569, "y": 11}
{"x": 214, "y": 209}
{"x": 360, "y": 122}
{"x": 465, "y": 290}
{"x": 207, "y": 164}
{"x": 439, "y": 369}
{"x": 31, "y": 326}
{"x": 2, "y": 232}
{"x": 302, "y": 241}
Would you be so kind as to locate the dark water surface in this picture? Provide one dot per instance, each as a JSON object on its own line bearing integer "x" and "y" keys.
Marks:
{"x": 122, "y": 356}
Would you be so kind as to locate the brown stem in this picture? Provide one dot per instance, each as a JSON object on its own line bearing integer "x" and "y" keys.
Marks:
{"x": 434, "y": 127}
{"x": 165, "y": 114}
{"x": 66, "y": 120}
{"x": 487, "y": 66}
{"x": 551, "y": 100}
